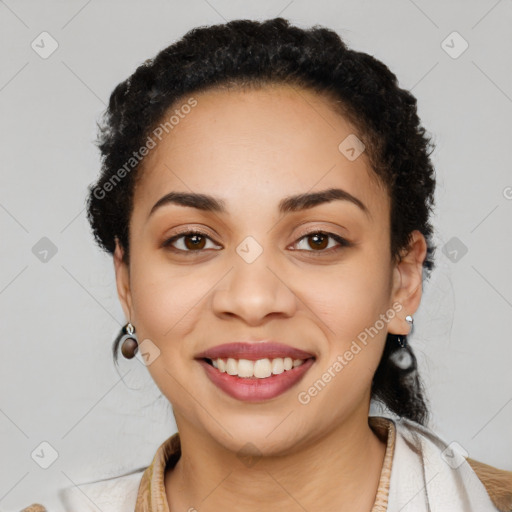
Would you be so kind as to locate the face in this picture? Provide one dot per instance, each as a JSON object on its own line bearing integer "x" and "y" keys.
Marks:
{"x": 314, "y": 276}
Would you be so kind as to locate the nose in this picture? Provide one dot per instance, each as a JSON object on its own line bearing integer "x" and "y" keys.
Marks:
{"x": 254, "y": 292}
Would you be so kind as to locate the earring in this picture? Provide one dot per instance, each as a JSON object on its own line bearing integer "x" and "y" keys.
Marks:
{"x": 401, "y": 339}
{"x": 129, "y": 342}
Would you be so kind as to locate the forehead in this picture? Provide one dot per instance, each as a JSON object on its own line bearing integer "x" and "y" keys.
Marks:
{"x": 253, "y": 145}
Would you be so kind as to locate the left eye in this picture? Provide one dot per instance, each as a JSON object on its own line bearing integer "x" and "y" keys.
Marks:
{"x": 319, "y": 241}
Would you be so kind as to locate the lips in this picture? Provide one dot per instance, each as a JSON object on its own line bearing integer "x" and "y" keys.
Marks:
{"x": 254, "y": 389}
{"x": 254, "y": 351}
{"x": 263, "y": 387}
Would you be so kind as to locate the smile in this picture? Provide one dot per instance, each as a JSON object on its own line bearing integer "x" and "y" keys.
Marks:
{"x": 261, "y": 368}
{"x": 255, "y": 381}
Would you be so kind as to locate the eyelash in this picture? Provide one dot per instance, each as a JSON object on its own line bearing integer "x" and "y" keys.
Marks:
{"x": 341, "y": 241}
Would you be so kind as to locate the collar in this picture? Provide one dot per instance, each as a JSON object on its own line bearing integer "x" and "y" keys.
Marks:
{"x": 152, "y": 497}
{"x": 430, "y": 474}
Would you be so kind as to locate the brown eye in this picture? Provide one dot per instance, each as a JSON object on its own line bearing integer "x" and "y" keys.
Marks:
{"x": 188, "y": 241}
{"x": 318, "y": 241}
{"x": 193, "y": 242}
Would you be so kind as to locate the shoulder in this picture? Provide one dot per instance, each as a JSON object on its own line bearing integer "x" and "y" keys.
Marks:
{"x": 116, "y": 494}
{"x": 497, "y": 482}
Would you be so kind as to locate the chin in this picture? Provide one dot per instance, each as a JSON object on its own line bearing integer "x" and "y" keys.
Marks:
{"x": 255, "y": 438}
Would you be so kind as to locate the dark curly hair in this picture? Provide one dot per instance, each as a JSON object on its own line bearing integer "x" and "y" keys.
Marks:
{"x": 246, "y": 53}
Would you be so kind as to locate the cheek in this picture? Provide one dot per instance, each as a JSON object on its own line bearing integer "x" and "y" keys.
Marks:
{"x": 343, "y": 378}
{"x": 163, "y": 299}
{"x": 356, "y": 311}
{"x": 355, "y": 298}
{"x": 165, "y": 315}
{"x": 356, "y": 339}
{"x": 164, "y": 310}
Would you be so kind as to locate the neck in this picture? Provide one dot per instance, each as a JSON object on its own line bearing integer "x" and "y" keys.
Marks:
{"x": 339, "y": 471}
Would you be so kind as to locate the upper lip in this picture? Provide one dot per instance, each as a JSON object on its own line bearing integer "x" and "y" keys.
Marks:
{"x": 253, "y": 351}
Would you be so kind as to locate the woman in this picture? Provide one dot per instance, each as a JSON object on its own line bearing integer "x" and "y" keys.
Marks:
{"x": 265, "y": 193}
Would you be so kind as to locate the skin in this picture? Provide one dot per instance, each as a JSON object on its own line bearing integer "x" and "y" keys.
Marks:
{"x": 252, "y": 148}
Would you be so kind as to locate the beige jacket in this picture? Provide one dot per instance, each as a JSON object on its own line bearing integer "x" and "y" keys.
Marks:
{"x": 482, "y": 486}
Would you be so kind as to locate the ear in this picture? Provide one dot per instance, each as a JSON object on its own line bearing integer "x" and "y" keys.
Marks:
{"x": 407, "y": 283}
{"x": 123, "y": 281}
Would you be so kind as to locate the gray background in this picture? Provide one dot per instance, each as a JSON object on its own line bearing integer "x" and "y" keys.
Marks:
{"x": 59, "y": 316}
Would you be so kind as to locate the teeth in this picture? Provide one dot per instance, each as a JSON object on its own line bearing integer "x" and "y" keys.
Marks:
{"x": 261, "y": 369}
{"x": 277, "y": 366}
{"x": 232, "y": 367}
{"x": 245, "y": 368}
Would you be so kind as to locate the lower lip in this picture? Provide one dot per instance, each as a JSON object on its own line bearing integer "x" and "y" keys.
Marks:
{"x": 253, "y": 389}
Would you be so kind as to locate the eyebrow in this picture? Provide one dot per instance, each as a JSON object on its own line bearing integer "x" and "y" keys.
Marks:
{"x": 295, "y": 203}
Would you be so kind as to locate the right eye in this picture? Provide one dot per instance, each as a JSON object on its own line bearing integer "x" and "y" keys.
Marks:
{"x": 193, "y": 241}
